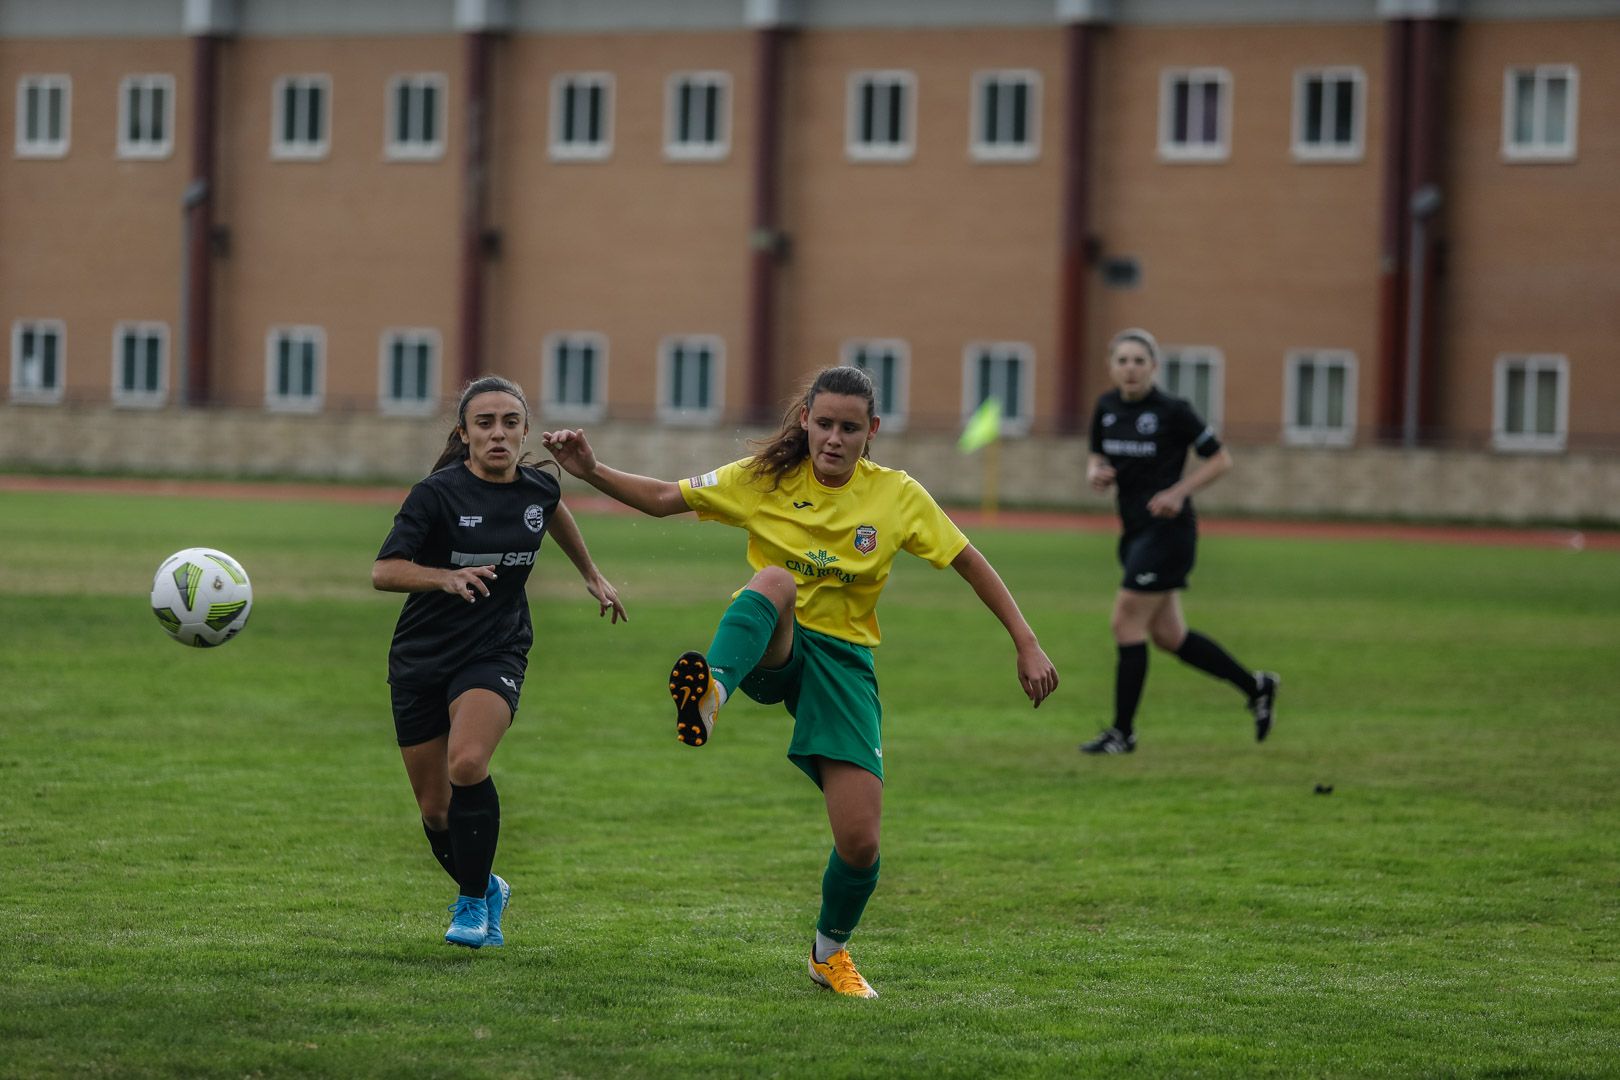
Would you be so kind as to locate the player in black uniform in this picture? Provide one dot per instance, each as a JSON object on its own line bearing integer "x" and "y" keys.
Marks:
{"x": 1139, "y": 441}
{"x": 463, "y": 545}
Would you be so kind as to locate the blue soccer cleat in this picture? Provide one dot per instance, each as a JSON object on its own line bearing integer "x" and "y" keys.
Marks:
{"x": 495, "y": 899}
{"x": 469, "y": 922}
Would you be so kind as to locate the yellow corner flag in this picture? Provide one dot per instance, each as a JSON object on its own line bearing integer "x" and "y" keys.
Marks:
{"x": 982, "y": 428}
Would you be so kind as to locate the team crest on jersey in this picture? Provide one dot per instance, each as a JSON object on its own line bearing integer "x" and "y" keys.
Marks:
{"x": 534, "y": 517}
{"x": 866, "y": 539}
{"x": 1147, "y": 423}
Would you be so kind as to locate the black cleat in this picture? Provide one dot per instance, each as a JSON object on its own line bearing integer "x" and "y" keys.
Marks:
{"x": 1264, "y": 704}
{"x": 1111, "y": 741}
{"x": 696, "y": 696}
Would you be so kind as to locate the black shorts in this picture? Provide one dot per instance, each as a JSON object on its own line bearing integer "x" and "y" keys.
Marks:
{"x": 422, "y": 713}
{"x": 1159, "y": 556}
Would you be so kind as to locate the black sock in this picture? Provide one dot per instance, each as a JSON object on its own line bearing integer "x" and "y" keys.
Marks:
{"x": 1128, "y": 679}
{"x": 439, "y": 841}
{"x": 475, "y": 825}
{"x": 1207, "y": 656}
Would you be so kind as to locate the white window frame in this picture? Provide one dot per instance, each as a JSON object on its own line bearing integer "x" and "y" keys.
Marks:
{"x": 1355, "y": 149}
{"x": 551, "y": 405}
{"x": 602, "y": 148}
{"x": 1030, "y": 148}
{"x": 1533, "y": 363}
{"x": 854, "y": 148}
{"x": 1020, "y": 423}
{"x": 667, "y": 412}
{"x": 1197, "y": 354}
{"x": 1539, "y": 149}
{"x": 1169, "y": 149}
{"x": 146, "y": 149}
{"x": 275, "y": 401}
{"x": 33, "y": 395}
{"x": 894, "y": 418}
{"x": 1343, "y": 436}
{"x": 416, "y": 149}
{"x": 674, "y": 149}
{"x": 44, "y": 148}
{"x": 140, "y": 399}
{"x": 387, "y": 403}
{"x": 301, "y": 150}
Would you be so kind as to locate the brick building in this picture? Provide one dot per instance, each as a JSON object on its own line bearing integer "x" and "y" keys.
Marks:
{"x": 1352, "y": 223}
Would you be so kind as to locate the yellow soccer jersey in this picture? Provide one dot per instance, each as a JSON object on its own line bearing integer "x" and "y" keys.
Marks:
{"x": 837, "y": 542}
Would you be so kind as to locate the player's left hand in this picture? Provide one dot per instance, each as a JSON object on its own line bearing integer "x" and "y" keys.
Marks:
{"x": 1167, "y": 503}
{"x": 603, "y": 592}
{"x": 1036, "y": 674}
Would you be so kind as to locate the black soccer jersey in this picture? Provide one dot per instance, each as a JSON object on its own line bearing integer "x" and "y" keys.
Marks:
{"x": 454, "y": 519}
{"x": 1146, "y": 442}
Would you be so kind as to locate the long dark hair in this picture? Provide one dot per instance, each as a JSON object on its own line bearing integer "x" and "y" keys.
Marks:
{"x": 455, "y": 451}
{"x": 791, "y": 445}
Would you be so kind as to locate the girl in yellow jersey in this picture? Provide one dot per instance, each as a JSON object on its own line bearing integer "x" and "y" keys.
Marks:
{"x": 824, "y": 524}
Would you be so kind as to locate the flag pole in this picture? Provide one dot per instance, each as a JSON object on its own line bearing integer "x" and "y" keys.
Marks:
{"x": 992, "y": 476}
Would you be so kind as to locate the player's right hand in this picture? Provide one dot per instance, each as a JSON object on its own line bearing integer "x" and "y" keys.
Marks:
{"x": 469, "y": 582}
{"x": 571, "y": 449}
{"x": 1101, "y": 477}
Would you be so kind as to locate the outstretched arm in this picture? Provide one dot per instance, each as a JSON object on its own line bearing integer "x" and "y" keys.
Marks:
{"x": 660, "y": 498}
{"x": 1035, "y": 672}
{"x": 403, "y": 575}
{"x": 565, "y": 530}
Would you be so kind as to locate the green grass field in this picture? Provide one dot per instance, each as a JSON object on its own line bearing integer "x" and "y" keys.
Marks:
{"x": 210, "y": 863}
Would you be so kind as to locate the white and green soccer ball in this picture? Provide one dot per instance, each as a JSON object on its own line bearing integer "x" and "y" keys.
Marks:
{"x": 202, "y": 597}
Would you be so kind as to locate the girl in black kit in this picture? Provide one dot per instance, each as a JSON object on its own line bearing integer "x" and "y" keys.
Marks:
{"x": 1139, "y": 441}
{"x": 463, "y": 545}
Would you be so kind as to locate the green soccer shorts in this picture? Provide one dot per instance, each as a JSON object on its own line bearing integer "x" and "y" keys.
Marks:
{"x": 830, "y": 689}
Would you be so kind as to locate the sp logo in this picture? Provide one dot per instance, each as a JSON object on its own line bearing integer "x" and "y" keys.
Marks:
{"x": 1108, "y": 419}
{"x": 866, "y": 539}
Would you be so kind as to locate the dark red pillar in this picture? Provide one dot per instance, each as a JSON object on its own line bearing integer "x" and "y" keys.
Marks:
{"x": 765, "y": 238}
{"x": 475, "y": 193}
{"x": 1076, "y": 218}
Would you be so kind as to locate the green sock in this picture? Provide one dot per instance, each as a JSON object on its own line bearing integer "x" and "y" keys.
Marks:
{"x": 741, "y": 638}
{"x": 844, "y": 892}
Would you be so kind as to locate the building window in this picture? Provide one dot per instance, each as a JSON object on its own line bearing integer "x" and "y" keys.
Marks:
{"x": 1195, "y": 114}
{"x": 699, "y": 121}
{"x": 1006, "y": 116}
{"x": 1004, "y": 371}
{"x": 43, "y": 125}
{"x": 1193, "y": 372}
{"x": 294, "y": 371}
{"x": 37, "y": 361}
{"x": 582, "y": 116}
{"x": 573, "y": 376}
{"x": 146, "y": 116}
{"x": 886, "y": 363}
{"x": 882, "y": 111}
{"x": 689, "y": 375}
{"x": 1532, "y": 403}
{"x": 409, "y": 384}
{"x": 416, "y": 109}
{"x": 299, "y": 125}
{"x": 1329, "y": 111}
{"x": 140, "y": 364}
{"x": 1539, "y": 113}
{"x": 1320, "y": 398}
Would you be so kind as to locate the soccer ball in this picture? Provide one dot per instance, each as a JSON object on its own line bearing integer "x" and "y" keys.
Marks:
{"x": 201, "y": 596}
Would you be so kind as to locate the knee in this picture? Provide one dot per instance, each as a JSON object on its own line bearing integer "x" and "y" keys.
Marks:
{"x": 776, "y": 585}
{"x": 467, "y": 769}
{"x": 1168, "y": 640}
{"x": 858, "y": 851}
{"x": 1127, "y": 630}
{"x": 435, "y": 815}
